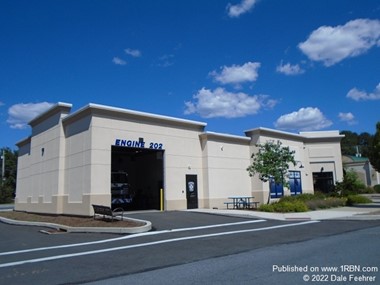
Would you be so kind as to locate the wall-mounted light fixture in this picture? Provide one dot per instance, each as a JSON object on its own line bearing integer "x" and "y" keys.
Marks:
{"x": 300, "y": 163}
{"x": 42, "y": 151}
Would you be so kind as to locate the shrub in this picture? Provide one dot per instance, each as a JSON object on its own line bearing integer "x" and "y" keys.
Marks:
{"x": 368, "y": 190}
{"x": 6, "y": 194}
{"x": 284, "y": 207}
{"x": 336, "y": 202}
{"x": 357, "y": 199}
{"x": 350, "y": 184}
{"x": 287, "y": 199}
{"x": 330, "y": 202}
{"x": 266, "y": 208}
{"x": 301, "y": 197}
{"x": 303, "y": 203}
{"x": 316, "y": 204}
{"x": 377, "y": 188}
{"x": 295, "y": 206}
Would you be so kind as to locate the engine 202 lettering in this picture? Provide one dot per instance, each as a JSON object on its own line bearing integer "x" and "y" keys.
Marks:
{"x": 155, "y": 145}
{"x": 138, "y": 144}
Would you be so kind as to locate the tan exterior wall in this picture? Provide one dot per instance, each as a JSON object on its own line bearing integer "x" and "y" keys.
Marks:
{"x": 225, "y": 161}
{"x": 41, "y": 166}
{"x": 182, "y": 154}
{"x": 65, "y": 166}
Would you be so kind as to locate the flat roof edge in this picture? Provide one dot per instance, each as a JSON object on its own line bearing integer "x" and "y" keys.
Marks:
{"x": 272, "y": 131}
{"x": 93, "y": 106}
{"x": 300, "y": 135}
{"x": 224, "y": 136}
{"x": 53, "y": 109}
{"x": 23, "y": 141}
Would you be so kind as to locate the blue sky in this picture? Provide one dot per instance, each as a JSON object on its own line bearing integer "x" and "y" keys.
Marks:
{"x": 291, "y": 65}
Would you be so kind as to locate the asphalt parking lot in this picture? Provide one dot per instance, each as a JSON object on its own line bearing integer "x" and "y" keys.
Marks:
{"x": 168, "y": 220}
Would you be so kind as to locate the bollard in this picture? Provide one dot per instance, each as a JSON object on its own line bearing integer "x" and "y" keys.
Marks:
{"x": 161, "y": 199}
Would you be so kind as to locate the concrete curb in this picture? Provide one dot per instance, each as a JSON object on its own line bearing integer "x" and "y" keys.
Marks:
{"x": 341, "y": 213}
{"x": 115, "y": 230}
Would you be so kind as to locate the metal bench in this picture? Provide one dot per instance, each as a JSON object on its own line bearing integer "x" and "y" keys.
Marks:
{"x": 253, "y": 205}
{"x": 229, "y": 203}
{"x": 242, "y": 205}
{"x": 107, "y": 211}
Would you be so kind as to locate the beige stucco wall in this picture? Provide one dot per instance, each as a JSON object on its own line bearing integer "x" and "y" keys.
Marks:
{"x": 65, "y": 166}
{"x": 182, "y": 154}
{"x": 41, "y": 166}
{"x": 225, "y": 160}
{"x": 326, "y": 156}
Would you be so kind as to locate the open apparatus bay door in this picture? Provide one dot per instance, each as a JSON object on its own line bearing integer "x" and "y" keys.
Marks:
{"x": 137, "y": 175}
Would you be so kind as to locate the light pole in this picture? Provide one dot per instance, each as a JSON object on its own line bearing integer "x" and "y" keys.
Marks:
{"x": 3, "y": 167}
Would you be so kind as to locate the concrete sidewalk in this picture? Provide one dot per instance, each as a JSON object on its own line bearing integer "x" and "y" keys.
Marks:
{"x": 369, "y": 211}
{"x": 346, "y": 213}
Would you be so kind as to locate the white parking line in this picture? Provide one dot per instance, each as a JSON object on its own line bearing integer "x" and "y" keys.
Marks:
{"x": 150, "y": 243}
{"x": 129, "y": 237}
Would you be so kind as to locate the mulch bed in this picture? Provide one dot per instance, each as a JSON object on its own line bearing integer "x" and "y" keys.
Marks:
{"x": 71, "y": 221}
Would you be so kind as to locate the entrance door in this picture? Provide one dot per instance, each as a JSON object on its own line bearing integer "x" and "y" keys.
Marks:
{"x": 295, "y": 182}
{"x": 276, "y": 190}
{"x": 192, "y": 191}
{"x": 323, "y": 181}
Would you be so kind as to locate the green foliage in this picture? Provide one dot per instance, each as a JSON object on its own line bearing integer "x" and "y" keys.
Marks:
{"x": 350, "y": 184}
{"x": 374, "y": 153}
{"x": 301, "y": 197}
{"x": 266, "y": 208}
{"x": 8, "y": 182}
{"x": 357, "y": 199}
{"x": 6, "y": 194}
{"x": 326, "y": 203}
{"x": 272, "y": 162}
{"x": 303, "y": 203}
{"x": 368, "y": 190}
{"x": 295, "y": 206}
{"x": 352, "y": 142}
{"x": 377, "y": 188}
{"x": 284, "y": 207}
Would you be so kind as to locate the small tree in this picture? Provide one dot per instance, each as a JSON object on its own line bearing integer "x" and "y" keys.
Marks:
{"x": 351, "y": 184}
{"x": 272, "y": 162}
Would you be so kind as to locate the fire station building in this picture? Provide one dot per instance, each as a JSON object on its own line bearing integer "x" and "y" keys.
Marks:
{"x": 122, "y": 158}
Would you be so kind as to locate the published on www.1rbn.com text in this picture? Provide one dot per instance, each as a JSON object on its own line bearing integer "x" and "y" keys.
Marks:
{"x": 343, "y": 273}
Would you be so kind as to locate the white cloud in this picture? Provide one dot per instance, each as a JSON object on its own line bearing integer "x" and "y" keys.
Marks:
{"x": 333, "y": 44}
{"x": 347, "y": 117}
{"x": 133, "y": 52}
{"x": 359, "y": 95}
{"x": 236, "y": 74}
{"x": 305, "y": 119}
{"x": 234, "y": 11}
{"x": 289, "y": 69}
{"x": 221, "y": 103}
{"x": 119, "y": 61}
{"x": 21, "y": 114}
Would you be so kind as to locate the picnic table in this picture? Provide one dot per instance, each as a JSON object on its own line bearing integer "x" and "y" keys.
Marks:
{"x": 241, "y": 202}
